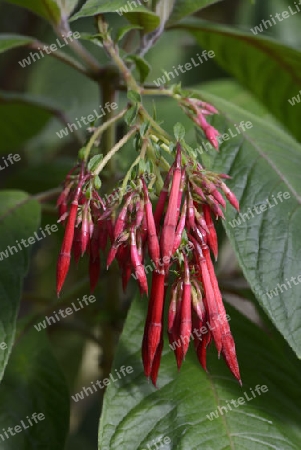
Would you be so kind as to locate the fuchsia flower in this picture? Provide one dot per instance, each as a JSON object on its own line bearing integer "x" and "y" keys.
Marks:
{"x": 189, "y": 201}
{"x": 197, "y": 110}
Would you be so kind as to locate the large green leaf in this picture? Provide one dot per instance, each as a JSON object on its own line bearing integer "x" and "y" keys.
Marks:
{"x": 138, "y": 416}
{"x": 22, "y": 117}
{"x": 48, "y": 9}
{"x": 235, "y": 93}
{"x": 185, "y": 8}
{"x": 136, "y": 14}
{"x": 19, "y": 219}
{"x": 263, "y": 161}
{"x": 34, "y": 383}
{"x": 270, "y": 70}
{"x": 9, "y": 41}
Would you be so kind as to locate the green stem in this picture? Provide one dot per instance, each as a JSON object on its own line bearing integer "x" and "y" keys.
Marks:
{"x": 158, "y": 91}
{"x": 112, "y": 296}
{"x": 127, "y": 177}
{"x": 154, "y": 124}
{"x": 109, "y": 96}
{"x": 98, "y": 132}
{"x": 114, "y": 150}
{"x": 37, "y": 45}
{"x": 46, "y": 195}
{"x": 79, "y": 49}
{"x": 110, "y": 47}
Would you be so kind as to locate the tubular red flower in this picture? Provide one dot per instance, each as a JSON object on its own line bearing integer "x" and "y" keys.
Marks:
{"x": 211, "y": 236}
{"x": 180, "y": 228}
{"x": 136, "y": 263}
{"x": 172, "y": 307}
{"x": 190, "y": 213}
{"x": 197, "y": 302}
{"x": 76, "y": 245}
{"x": 186, "y": 323}
{"x": 153, "y": 325}
{"x": 85, "y": 232}
{"x": 153, "y": 241}
{"x": 171, "y": 216}
{"x": 63, "y": 263}
{"x": 162, "y": 199}
{"x": 202, "y": 349}
{"x": 120, "y": 221}
{"x": 157, "y": 360}
{"x": 228, "y": 345}
{"x": 211, "y": 305}
{"x": 230, "y": 196}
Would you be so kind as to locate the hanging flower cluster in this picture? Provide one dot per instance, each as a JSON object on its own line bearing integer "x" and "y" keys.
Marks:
{"x": 191, "y": 196}
{"x": 189, "y": 201}
{"x": 87, "y": 223}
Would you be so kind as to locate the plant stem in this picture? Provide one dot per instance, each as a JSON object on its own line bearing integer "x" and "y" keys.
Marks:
{"x": 114, "y": 150}
{"x": 158, "y": 91}
{"x": 100, "y": 130}
{"x": 154, "y": 124}
{"x": 109, "y": 96}
{"x": 37, "y": 45}
{"x": 110, "y": 47}
{"x": 111, "y": 303}
{"x": 89, "y": 60}
{"x": 46, "y": 195}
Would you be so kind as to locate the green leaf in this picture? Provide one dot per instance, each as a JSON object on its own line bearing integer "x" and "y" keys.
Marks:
{"x": 263, "y": 161}
{"x": 178, "y": 409}
{"x": 9, "y": 41}
{"x": 134, "y": 96}
{"x": 138, "y": 15}
{"x": 124, "y": 30}
{"x": 179, "y": 131}
{"x": 147, "y": 21}
{"x": 235, "y": 93}
{"x": 33, "y": 383}
{"x": 22, "y": 117}
{"x": 94, "y": 161}
{"x": 48, "y": 9}
{"x": 142, "y": 66}
{"x": 19, "y": 219}
{"x": 185, "y": 8}
{"x": 97, "y": 182}
{"x": 131, "y": 114}
{"x": 270, "y": 70}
